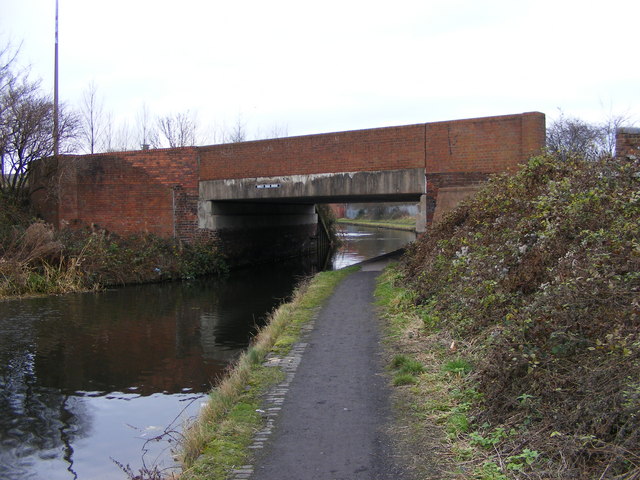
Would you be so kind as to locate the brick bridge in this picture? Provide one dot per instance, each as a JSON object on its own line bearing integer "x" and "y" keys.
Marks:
{"x": 260, "y": 193}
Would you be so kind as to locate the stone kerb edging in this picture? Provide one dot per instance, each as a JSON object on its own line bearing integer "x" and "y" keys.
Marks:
{"x": 275, "y": 396}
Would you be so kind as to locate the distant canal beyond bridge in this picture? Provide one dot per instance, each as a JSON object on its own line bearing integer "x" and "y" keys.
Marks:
{"x": 88, "y": 378}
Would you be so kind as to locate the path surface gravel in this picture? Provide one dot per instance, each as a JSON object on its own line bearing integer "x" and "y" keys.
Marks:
{"x": 332, "y": 421}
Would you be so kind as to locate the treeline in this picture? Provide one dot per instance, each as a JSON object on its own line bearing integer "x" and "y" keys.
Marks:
{"x": 99, "y": 132}
{"x": 26, "y": 126}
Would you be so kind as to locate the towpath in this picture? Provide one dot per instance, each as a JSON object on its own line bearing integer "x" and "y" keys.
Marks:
{"x": 331, "y": 413}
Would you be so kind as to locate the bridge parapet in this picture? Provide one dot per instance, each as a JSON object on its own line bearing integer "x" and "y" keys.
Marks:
{"x": 489, "y": 145}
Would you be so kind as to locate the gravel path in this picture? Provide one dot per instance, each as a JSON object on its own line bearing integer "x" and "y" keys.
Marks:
{"x": 330, "y": 414}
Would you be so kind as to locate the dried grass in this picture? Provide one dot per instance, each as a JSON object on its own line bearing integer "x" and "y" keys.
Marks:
{"x": 36, "y": 244}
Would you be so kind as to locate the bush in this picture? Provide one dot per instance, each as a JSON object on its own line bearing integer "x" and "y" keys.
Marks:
{"x": 540, "y": 273}
{"x": 109, "y": 259}
{"x": 34, "y": 259}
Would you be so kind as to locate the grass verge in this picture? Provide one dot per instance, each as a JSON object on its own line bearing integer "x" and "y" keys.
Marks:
{"x": 218, "y": 440}
{"x": 404, "y": 223}
{"x": 425, "y": 393}
{"x": 434, "y": 392}
{"x": 522, "y": 304}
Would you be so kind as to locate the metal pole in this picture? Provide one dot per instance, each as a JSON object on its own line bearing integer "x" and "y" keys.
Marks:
{"x": 56, "y": 132}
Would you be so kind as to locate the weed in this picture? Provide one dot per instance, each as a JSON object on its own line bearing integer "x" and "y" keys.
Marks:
{"x": 525, "y": 398}
{"x": 405, "y": 364}
{"x": 36, "y": 260}
{"x": 458, "y": 366}
{"x": 489, "y": 439}
{"x": 254, "y": 355}
{"x": 283, "y": 344}
{"x": 538, "y": 275}
{"x": 145, "y": 473}
{"x": 457, "y": 423}
{"x": 520, "y": 461}
{"x": 404, "y": 379}
{"x": 489, "y": 471}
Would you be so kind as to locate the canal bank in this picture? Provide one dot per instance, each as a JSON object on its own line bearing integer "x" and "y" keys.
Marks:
{"x": 89, "y": 377}
{"x": 320, "y": 406}
{"x": 405, "y": 224}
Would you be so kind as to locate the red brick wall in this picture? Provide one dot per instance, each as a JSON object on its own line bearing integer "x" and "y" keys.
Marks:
{"x": 485, "y": 145}
{"x": 628, "y": 142}
{"x": 376, "y": 149}
{"x": 44, "y": 189}
{"x": 131, "y": 192}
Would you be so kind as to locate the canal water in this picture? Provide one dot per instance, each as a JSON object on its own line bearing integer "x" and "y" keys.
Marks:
{"x": 88, "y": 381}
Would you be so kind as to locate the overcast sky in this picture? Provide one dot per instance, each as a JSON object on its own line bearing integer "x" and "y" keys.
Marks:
{"x": 337, "y": 65}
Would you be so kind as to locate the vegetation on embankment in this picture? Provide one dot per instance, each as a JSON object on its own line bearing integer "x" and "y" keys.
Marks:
{"x": 403, "y": 223}
{"x": 218, "y": 440}
{"x": 522, "y": 308}
{"x": 35, "y": 259}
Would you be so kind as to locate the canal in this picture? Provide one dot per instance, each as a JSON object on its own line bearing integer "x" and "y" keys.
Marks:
{"x": 88, "y": 380}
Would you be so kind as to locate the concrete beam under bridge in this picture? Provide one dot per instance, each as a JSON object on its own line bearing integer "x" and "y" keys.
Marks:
{"x": 405, "y": 184}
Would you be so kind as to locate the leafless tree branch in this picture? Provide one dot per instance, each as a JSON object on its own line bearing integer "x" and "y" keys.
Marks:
{"x": 92, "y": 118}
{"x": 179, "y": 130}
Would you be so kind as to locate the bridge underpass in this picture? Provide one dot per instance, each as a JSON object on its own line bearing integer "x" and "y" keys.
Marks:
{"x": 262, "y": 217}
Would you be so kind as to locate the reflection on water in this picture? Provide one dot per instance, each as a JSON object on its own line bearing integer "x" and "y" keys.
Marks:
{"x": 89, "y": 377}
{"x": 361, "y": 243}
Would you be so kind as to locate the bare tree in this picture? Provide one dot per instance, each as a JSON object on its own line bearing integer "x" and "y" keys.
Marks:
{"x": 147, "y": 134}
{"x": 8, "y": 80}
{"x": 92, "y": 117}
{"x": 279, "y": 131}
{"x": 109, "y": 133}
{"x": 124, "y": 138}
{"x": 571, "y": 137}
{"x": 238, "y": 132}
{"x": 29, "y": 115}
{"x": 8, "y": 56}
{"x": 216, "y": 134}
{"x": 276, "y": 131}
{"x": 609, "y": 129}
{"x": 179, "y": 130}
{"x": 26, "y": 125}
{"x": 117, "y": 138}
{"x": 208, "y": 135}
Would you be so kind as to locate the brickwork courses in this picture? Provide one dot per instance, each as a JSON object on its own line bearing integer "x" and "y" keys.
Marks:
{"x": 151, "y": 191}
{"x": 628, "y": 143}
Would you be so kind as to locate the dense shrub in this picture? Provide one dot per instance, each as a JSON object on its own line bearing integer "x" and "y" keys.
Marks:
{"x": 540, "y": 273}
{"x": 108, "y": 259}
